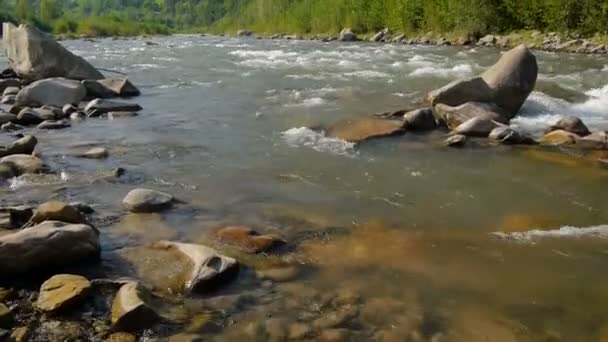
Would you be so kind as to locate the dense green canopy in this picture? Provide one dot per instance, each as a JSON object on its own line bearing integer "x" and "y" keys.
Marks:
{"x": 310, "y": 16}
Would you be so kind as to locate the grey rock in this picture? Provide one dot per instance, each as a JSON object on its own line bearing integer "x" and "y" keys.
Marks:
{"x": 54, "y": 124}
{"x": 8, "y": 99}
{"x": 101, "y": 106}
{"x": 24, "y": 163}
{"x": 146, "y": 201}
{"x": 457, "y": 140}
{"x": 11, "y": 91}
{"x": 25, "y": 145}
{"x": 420, "y": 120}
{"x": 132, "y": 309}
{"x": 11, "y": 127}
{"x": 476, "y": 127}
{"x": 110, "y": 87}
{"x": 94, "y": 153}
{"x": 28, "y": 116}
{"x": 52, "y": 91}
{"x": 571, "y": 124}
{"x": 9, "y": 82}
{"x": 347, "y": 35}
{"x": 7, "y": 117}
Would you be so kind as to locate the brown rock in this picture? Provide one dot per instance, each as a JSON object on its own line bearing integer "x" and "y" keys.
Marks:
{"x": 476, "y": 127}
{"x": 571, "y": 124}
{"x": 62, "y": 291}
{"x": 57, "y": 211}
{"x": 132, "y": 310}
{"x": 559, "y": 137}
{"x": 248, "y": 239}
{"x": 455, "y": 116}
{"x": 362, "y": 129}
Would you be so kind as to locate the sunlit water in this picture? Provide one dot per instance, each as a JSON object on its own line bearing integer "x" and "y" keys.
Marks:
{"x": 482, "y": 244}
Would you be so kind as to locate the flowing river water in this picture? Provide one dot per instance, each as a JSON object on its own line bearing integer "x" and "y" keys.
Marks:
{"x": 399, "y": 239}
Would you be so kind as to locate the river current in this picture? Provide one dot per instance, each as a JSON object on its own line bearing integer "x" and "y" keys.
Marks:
{"x": 419, "y": 242}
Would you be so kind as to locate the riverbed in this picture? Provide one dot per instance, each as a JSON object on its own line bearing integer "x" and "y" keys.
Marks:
{"x": 405, "y": 238}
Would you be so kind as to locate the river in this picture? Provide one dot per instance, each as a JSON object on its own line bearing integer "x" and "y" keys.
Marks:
{"x": 407, "y": 239}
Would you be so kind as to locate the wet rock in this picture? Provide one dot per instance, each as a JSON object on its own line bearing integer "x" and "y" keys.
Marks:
{"x": 9, "y": 82}
{"x": 34, "y": 55}
{"x": 20, "y": 334}
{"x": 147, "y": 201}
{"x": 279, "y": 275}
{"x": 347, "y": 35}
{"x": 54, "y": 124}
{"x": 16, "y": 217}
{"x": 110, "y": 87}
{"x": 94, "y": 153}
{"x": 6, "y": 317}
{"x": 101, "y": 106}
{"x": 121, "y": 337}
{"x": 28, "y": 116}
{"x": 420, "y": 120}
{"x": 333, "y": 335}
{"x": 559, "y": 137}
{"x": 50, "y": 113}
{"x": 57, "y": 211}
{"x": 248, "y": 239}
{"x": 298, "y": 331}
{"x": 62, "y": 291}
{"x": 8, "y": 99}
{"x": 52, "y": 91}
{"x": 571, "y": 124}
{"x": 69, "y": 109}
{"x": 455, "y": 116}
{"x": 476, "y": 127}
{"x": 7, "y": 118}
{"x": 25, "y": 145}
{"x": 359, "y": 130}
{"x": 210, "y": 269}
{"x": 11, "y": 91}
{"x": 132, "y": 309}
{"x": 7, "y": 171}
{"x": 24, "y": 163}
{"x": 596, "y": 141}
{"x": 507, "y": 85}
{"x": 488, "y": 40}
{"x": 47, "y": 245}
{"x": 509, "y": 136}
{"x": 77, "y": 116}
{"x": 11, "y": 127}
{"x": 119, "y": 115}
{"x": 457, "y": 140}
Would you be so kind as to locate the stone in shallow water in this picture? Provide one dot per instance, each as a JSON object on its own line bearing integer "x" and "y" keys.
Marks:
{"x": 62, "y": 291}
{"x": 571, "y": 124}
{"x": 132, "y": 309}
{"x": 248, "y": 239}
{"x": 7, "y": 117}
{"x": 54, "y": 124}
{"x": 51, "y": 91}
{"x": 101, "y": 106}
{"x": 559, "y": 138}
{"x": 57, "y": 211}
{"x": 28, "y": 116}
{"x": 457, "y": 115}
{"x": 24, "y": 163}
{"x": 25, "y": 145}
{"x": 147, "y": 201}
{"x": 457, "y": 140}
{"x": 95, "y": 153}
{"x": 420, "y": 119}
{"x": 47, "y": 245}
{"x": 476, "y": 127}
{"x": 361, "y": 129}
{"x": 110, "y": 87}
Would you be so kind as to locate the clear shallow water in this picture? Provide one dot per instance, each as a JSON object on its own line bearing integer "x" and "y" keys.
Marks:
{"x": 403, "y": 221}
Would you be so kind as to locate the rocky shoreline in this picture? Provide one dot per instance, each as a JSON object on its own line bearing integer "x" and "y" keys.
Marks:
{"x": 550, "y": 42}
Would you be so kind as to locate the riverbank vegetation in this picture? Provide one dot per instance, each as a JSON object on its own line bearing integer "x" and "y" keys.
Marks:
{"x": 127, "y": 17}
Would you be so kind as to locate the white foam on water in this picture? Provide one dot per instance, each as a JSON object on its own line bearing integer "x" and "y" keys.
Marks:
{"x": 460, "y": 70}
{"x": 146, "y": 66}
{"x": 304, "y": 136}
{"x": 310, "y": 102}
{"x": 563, "y": 232}
{"x": 367, "y": 74}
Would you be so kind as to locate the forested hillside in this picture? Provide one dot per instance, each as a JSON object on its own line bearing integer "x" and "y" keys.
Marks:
{"x": 310, "y": 16}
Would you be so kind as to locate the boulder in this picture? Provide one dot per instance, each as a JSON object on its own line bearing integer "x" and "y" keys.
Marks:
{"x": 11, "y": 91}
{"x": 508, "y": 136}
{"x": 54, "y": 124}
{"x": 9, "y": 82}
{"x": 57, "y": 211}
{"x": 99, "y": 107}
{"x": 25, "y": 145}
{"x": 34, "y": 55}
{"x": 132, "y": 309}
{"x": 24, "y": 163}
{"x": 28, "y": 116}
{"x": 347, "y": 35}
{"x": 457, "y": 140}
{"x": 7, "y": 117}
{"x": 453, "y": 117}
{"x": 559, "y": 138}
{"x": 248, "y": 239}
{"x": 62, "y": 291}
{"x": 147, "y": 201}
{"x": 209, "y": 268}
{"x": 571, "y": 124}
{"x": 94, "y": 153}
{"x": 11, "y": 127}
{"x": 110, "y": 87}
{"x": 476, "y": 127}
{"x": 362, "y": 129}
{"x": 47, "y": 245}
{"x": 420, "y": 120}
{"x": 52, "y": 91}
{"x": 507, "y": 85}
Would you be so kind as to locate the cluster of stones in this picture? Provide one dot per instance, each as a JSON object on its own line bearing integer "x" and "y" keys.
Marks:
{"x": 551, "y": 41}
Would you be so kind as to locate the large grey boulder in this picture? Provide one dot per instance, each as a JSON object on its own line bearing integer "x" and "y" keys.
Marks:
{"x": 52, "y": 91}
{"x": 47, "y": 245}
{"x": 506, "y": 85}
{"x": 34, "y": 55}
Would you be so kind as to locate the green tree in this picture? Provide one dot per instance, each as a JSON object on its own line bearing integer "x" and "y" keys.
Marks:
{"x": 50, "y": 10}
{"x": 23, "y": 10}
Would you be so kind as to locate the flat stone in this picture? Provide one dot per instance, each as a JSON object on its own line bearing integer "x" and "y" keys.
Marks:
{"x": 11, "y": 91}
{"x": 54, "y": 124}
{"x": 455, "y": 116}
{"x": 476, "y": 127}
{"x": 120, "y": 115}
{"x": 101, "y": 106}
{"x": 362, "y": 129}
{"x": 24, "y": 163}
{"x": 94, "y": 153}
{"x": 57, "y": 211}
{"x": 571, "y": 124}
{"x": 132, "y": 310}
{"x": 25, "y": 145}
{"x": 47, "y": 245}
{"x": 248, "y": 239}
{"x": 62, "y": 291}
{"x": 210, "y": 269}
{"x": 457, "y": 140}
{"x": 147, "y": 201}
{"x": 559, "y": 137}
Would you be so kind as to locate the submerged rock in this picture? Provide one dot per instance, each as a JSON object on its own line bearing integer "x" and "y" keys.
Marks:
{"x": 506, "y": 85}
{"x": 110, "y": 87}
{"x": 34, "y": 55}
{"x": 476, "y": 127}
{"x": 62, "y": 291}
{"x": 571, "y": 124}
{"x": 11, "y": 127}
{"x": 25, "y": 145}
{"x": 210, "y": 269}
{"x": 362, "y": 129}
{"x": 95, "y": 153}
{"x": 147, "y": 201}
{"x": 132, "y": 309}
{"x": 24, "y": 163}
{"x": 47, "y": 245}
{"x": 248, "y": 239}
{"x": 52, "y": 91}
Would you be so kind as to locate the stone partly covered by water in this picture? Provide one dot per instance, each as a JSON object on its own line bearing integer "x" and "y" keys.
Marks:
{"x": 132, "y": 309}
{"x": 146, "y": 201}
{"x": 62, "y": 291}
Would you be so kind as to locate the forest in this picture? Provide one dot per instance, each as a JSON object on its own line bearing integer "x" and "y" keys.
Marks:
{"x": 132, "y": 17}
